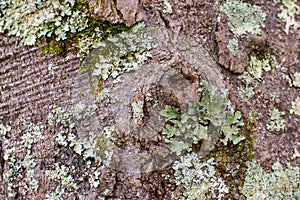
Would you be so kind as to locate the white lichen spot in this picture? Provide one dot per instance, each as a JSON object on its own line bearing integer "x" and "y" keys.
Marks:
{"x": 296, "y": 82}
{"x": 295, "y": 107}
{"x": 276, "y": 123}
{"x": 167, "y": 7}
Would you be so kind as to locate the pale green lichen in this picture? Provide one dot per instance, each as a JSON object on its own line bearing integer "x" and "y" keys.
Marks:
{"x": 256, "y": 66}
{"x": 288, "y": 13}
{"x": 278, "y": 184}
{"x": 120, "y": 53}
{"x": 43, "y": 18}
{"x": 247, "y": 79}
{"x": 94, "y": 179}
{"x": 32, "y": 135}
{"x": 21, "y": 169}
{"x": 212, "y": 117}
{"x": 81, "y": 111}
{"x": 295, "y": 107}
{"x": 62, "y": 176}
{"x": 198, "y": 179}
{"x": 296, "y": 82}
{"x": 233, "y": 46}
{"x": 276, "y": 123}
{"x": 243, "y": 17}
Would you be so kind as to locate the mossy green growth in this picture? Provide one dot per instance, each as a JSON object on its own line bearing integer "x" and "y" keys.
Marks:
{"x": 243, "y": 17}
{"x": 210, "y": 118}
{"x": 279, "y": 184}
{"x": 288, "y": 13}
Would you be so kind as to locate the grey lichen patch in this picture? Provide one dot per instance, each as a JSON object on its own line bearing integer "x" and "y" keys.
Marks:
{"x": 81, "y": 110}
{"x": 62, "y": 176}
{"x": 198, "y": 179}
{"x": 21, "y": 169}
{"x": 295, "y": 107}
{"x": 209, "y": 119}
{"x": 279, "y": 184}
{"x": 137, "y": 106}
{"x": 244, "y": 17}
{"x": 120, "y": 53}
{"x": 288, "y": 12}
{"x": 233, "y": 46}
{"x": 43, "y": 18}
{"x": 276, "y": 123}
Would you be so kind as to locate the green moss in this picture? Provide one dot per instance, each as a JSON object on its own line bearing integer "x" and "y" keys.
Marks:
{"x": 243, "y": 17}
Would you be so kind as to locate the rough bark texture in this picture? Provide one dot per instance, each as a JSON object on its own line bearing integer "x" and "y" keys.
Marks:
{"x": 191, "y": 46}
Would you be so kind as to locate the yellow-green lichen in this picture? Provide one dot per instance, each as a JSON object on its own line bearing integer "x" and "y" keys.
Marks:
{"x": 257, "y": 66}
{"x": 288, "y": 13}
{"x": 243, "y": 17}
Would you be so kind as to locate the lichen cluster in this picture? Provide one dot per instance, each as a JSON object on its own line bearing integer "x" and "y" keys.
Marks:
{"x": 276, "y": 123}
{"x": 198, "y": 178}
{"x": 66, "y": 24}
{"x": 295, "y": 107}
{"x": 212, "y": 117}
{"x": 288, "y": 12}
{"x": 279, "y": 184}
{"x": 120, "y": 53}
{"x": 21, "y": 169}
{"x": 257, "y": 66}
{"x": 243, "y": 17}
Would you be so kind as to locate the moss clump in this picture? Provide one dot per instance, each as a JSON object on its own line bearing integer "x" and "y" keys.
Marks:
{"x": 243, "y": 17}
